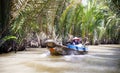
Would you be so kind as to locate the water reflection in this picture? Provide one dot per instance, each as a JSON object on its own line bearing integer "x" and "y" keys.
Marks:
{"x": 100, "y": 60}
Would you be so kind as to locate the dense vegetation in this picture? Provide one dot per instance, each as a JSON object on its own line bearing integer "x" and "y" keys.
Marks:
{"x": 21, "y": 19}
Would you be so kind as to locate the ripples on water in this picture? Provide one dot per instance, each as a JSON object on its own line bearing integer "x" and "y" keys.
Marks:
{"x": 40, "y": 61}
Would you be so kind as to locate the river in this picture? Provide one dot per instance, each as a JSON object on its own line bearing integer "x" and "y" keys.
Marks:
{"x": 100, "y": 59}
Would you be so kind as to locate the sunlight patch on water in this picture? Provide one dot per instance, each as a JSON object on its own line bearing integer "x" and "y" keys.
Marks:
{"x": 44, "y": 54}
{"x": 73, "y": 57}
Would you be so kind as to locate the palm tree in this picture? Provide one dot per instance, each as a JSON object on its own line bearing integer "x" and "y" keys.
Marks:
{"x": 93, "y": 21}
{"x": 81, "y": 21}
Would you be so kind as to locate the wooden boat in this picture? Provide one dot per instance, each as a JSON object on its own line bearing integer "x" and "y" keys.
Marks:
{"x": 57, "y": 49}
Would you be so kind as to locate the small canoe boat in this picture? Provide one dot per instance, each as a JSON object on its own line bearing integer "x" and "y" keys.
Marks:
{"x": 57, "y": 49}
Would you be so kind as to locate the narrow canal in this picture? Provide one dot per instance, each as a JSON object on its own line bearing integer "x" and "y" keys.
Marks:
{"x": 100, "y": 59}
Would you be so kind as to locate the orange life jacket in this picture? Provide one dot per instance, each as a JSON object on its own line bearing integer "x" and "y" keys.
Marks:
{"x": 52, "y": 50}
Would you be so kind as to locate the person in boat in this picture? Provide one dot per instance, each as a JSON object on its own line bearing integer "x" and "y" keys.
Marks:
{"x": 57, "y": 49}
{"x": 76, "y": 44}
{"x": 76, "y": 41}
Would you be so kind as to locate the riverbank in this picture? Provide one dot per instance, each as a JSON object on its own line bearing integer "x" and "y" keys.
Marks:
{"x": 100, "y": 59}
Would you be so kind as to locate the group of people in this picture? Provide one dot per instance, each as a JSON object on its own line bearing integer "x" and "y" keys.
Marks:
{"x": 77, "y": 44}
{"x": 76, "y": 41}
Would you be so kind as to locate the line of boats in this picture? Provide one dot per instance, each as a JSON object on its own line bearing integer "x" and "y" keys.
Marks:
{"x": 70, "y": 48}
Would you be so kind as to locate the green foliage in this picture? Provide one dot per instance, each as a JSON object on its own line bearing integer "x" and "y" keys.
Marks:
{"x": 25, "y": 17}
{"x": 3, "y": 40}
{"x": 114, "y": 5}
{"x": 71, "y": 19}
{"x": 94, "y": 21}
{"x": 9, "y": 37}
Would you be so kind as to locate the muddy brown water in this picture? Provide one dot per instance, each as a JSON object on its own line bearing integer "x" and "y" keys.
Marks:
{"x": 100, "y": 59}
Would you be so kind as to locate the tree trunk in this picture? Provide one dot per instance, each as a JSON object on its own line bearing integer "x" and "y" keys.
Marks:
{"x": 5, "y": 12}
